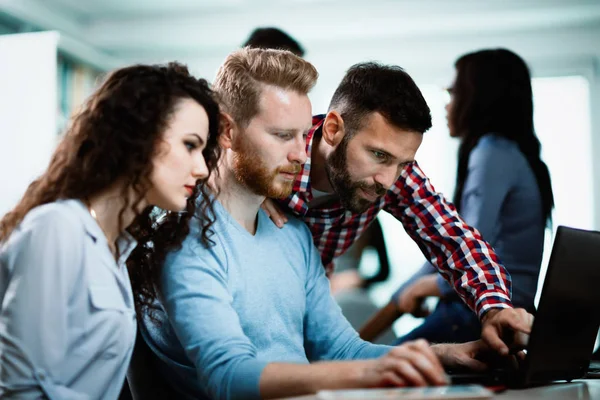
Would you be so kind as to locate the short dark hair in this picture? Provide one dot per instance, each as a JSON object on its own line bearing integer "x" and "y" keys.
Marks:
{"x": 372, "y": 87}
{"x": 273, "y": 38}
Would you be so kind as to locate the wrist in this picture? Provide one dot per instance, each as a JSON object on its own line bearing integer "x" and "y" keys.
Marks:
{"x": 440, "y": 351}
{"x": 427, "y": 286}
{"x": 359, "y": 373}
{"x": 489, "y": 314}
{"x": 344, "y": 375}
{"x": 418, "y": 289}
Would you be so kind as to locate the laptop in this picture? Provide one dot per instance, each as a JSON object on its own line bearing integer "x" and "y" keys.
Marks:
{"x": 567, "y": 320}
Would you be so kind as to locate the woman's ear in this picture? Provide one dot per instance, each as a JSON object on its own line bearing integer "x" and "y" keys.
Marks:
{"x": 227, "y": 127}
{"x": 333, "y": 128}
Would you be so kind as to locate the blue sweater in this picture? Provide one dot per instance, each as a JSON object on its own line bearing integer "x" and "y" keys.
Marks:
{"x": 502, "y": 200}
{"x": 243, "y": 303}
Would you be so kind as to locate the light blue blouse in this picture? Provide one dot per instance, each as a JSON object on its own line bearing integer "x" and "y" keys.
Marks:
{"x": 502, "y": 200}
{"x": 67, "y": 320}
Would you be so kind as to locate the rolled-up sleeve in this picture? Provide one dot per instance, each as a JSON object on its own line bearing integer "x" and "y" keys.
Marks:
{"x": 40, "y": 264}
{"x": 199, "y": 305}
{"x": 485, "y": 190}
{"x": 457, "y": 250}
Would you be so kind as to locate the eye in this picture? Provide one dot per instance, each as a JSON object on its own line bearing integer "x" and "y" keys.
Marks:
{"x": 190, "y": 145}
{"x": 284, "y": 136}
{"x": 380, "y": 155}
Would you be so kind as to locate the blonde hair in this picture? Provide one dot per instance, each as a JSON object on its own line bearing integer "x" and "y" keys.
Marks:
{"x": 239, "y": 79}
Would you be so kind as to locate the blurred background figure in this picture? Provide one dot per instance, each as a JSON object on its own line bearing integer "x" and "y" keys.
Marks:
{"x": 274, "y": 38}
{"x": 502, "y": 188}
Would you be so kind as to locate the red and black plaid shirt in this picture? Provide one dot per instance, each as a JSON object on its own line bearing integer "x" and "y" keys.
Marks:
{"x": 457, "y": 250}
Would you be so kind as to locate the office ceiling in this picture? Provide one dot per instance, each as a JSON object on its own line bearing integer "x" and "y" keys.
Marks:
{"x": 111, "y": 32}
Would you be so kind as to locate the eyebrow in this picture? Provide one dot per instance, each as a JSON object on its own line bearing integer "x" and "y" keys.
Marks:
{"x": 289, "y": 131}
{"x": 198, "y": 136}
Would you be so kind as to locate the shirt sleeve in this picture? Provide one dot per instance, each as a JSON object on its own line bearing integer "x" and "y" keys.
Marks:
{"x": 457, "y": 250}
{"x": 199, "y": 305}
{"x": 327, "y": 333}
{"x": 39, "y": 261}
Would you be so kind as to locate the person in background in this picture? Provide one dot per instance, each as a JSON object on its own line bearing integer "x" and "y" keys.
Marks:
{"x": 273, "y": 38}
{"x": 503, "y": 189}
{"x": 146, "y": 138}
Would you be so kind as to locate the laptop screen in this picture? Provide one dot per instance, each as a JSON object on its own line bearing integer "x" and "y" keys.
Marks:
{"x": 568, "y": 316}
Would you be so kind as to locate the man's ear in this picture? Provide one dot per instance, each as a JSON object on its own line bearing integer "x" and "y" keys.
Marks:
{"x": 227, "y": 127}
{"x": 333, "y": 128}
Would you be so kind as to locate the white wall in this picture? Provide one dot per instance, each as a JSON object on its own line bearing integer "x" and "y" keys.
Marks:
{"x": 28, "y": 110}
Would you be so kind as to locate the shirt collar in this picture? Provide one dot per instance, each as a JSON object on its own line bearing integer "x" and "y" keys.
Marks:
{"x": 302, "y": 183}
{"x": 301, "y": 193}
{"x": 125, "y": 242}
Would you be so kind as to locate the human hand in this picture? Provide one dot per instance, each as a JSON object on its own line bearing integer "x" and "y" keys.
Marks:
{"x": 410, "y": 364}
{"x": 274, "y": 212}
{"x": 462, "y": 355}
{"x": 504, "y": 328}
{"x": 412, "y": 298}
{"x": 345, "y": 280}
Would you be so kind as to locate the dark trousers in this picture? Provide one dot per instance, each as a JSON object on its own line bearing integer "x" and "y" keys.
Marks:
{"x": 451, "y": 322}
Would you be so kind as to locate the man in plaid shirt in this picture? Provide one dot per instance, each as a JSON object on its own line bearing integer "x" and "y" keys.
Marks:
{"x": 361, "y": 161}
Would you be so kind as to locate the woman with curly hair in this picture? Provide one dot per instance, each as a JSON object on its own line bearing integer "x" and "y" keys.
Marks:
{"x": 146, "y": 138}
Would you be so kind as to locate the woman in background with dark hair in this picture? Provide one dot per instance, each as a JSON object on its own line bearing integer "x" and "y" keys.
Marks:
{"x": 502, "y": 188}
{"x": 146, "y": 138}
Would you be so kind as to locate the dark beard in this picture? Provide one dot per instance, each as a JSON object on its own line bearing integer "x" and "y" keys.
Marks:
{"x": 342, "y": 184}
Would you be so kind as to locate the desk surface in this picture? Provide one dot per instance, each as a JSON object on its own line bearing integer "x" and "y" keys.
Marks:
{"x": 580, "y": 390}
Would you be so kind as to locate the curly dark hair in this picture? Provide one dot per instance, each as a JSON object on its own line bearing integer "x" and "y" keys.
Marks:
{"x": 114, "y": 137}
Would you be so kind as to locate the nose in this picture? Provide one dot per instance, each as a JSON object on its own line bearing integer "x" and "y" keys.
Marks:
{"x": 387, "y": 176}
{"x": 298, "y": 152}
{"x": 199, "y": 170}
